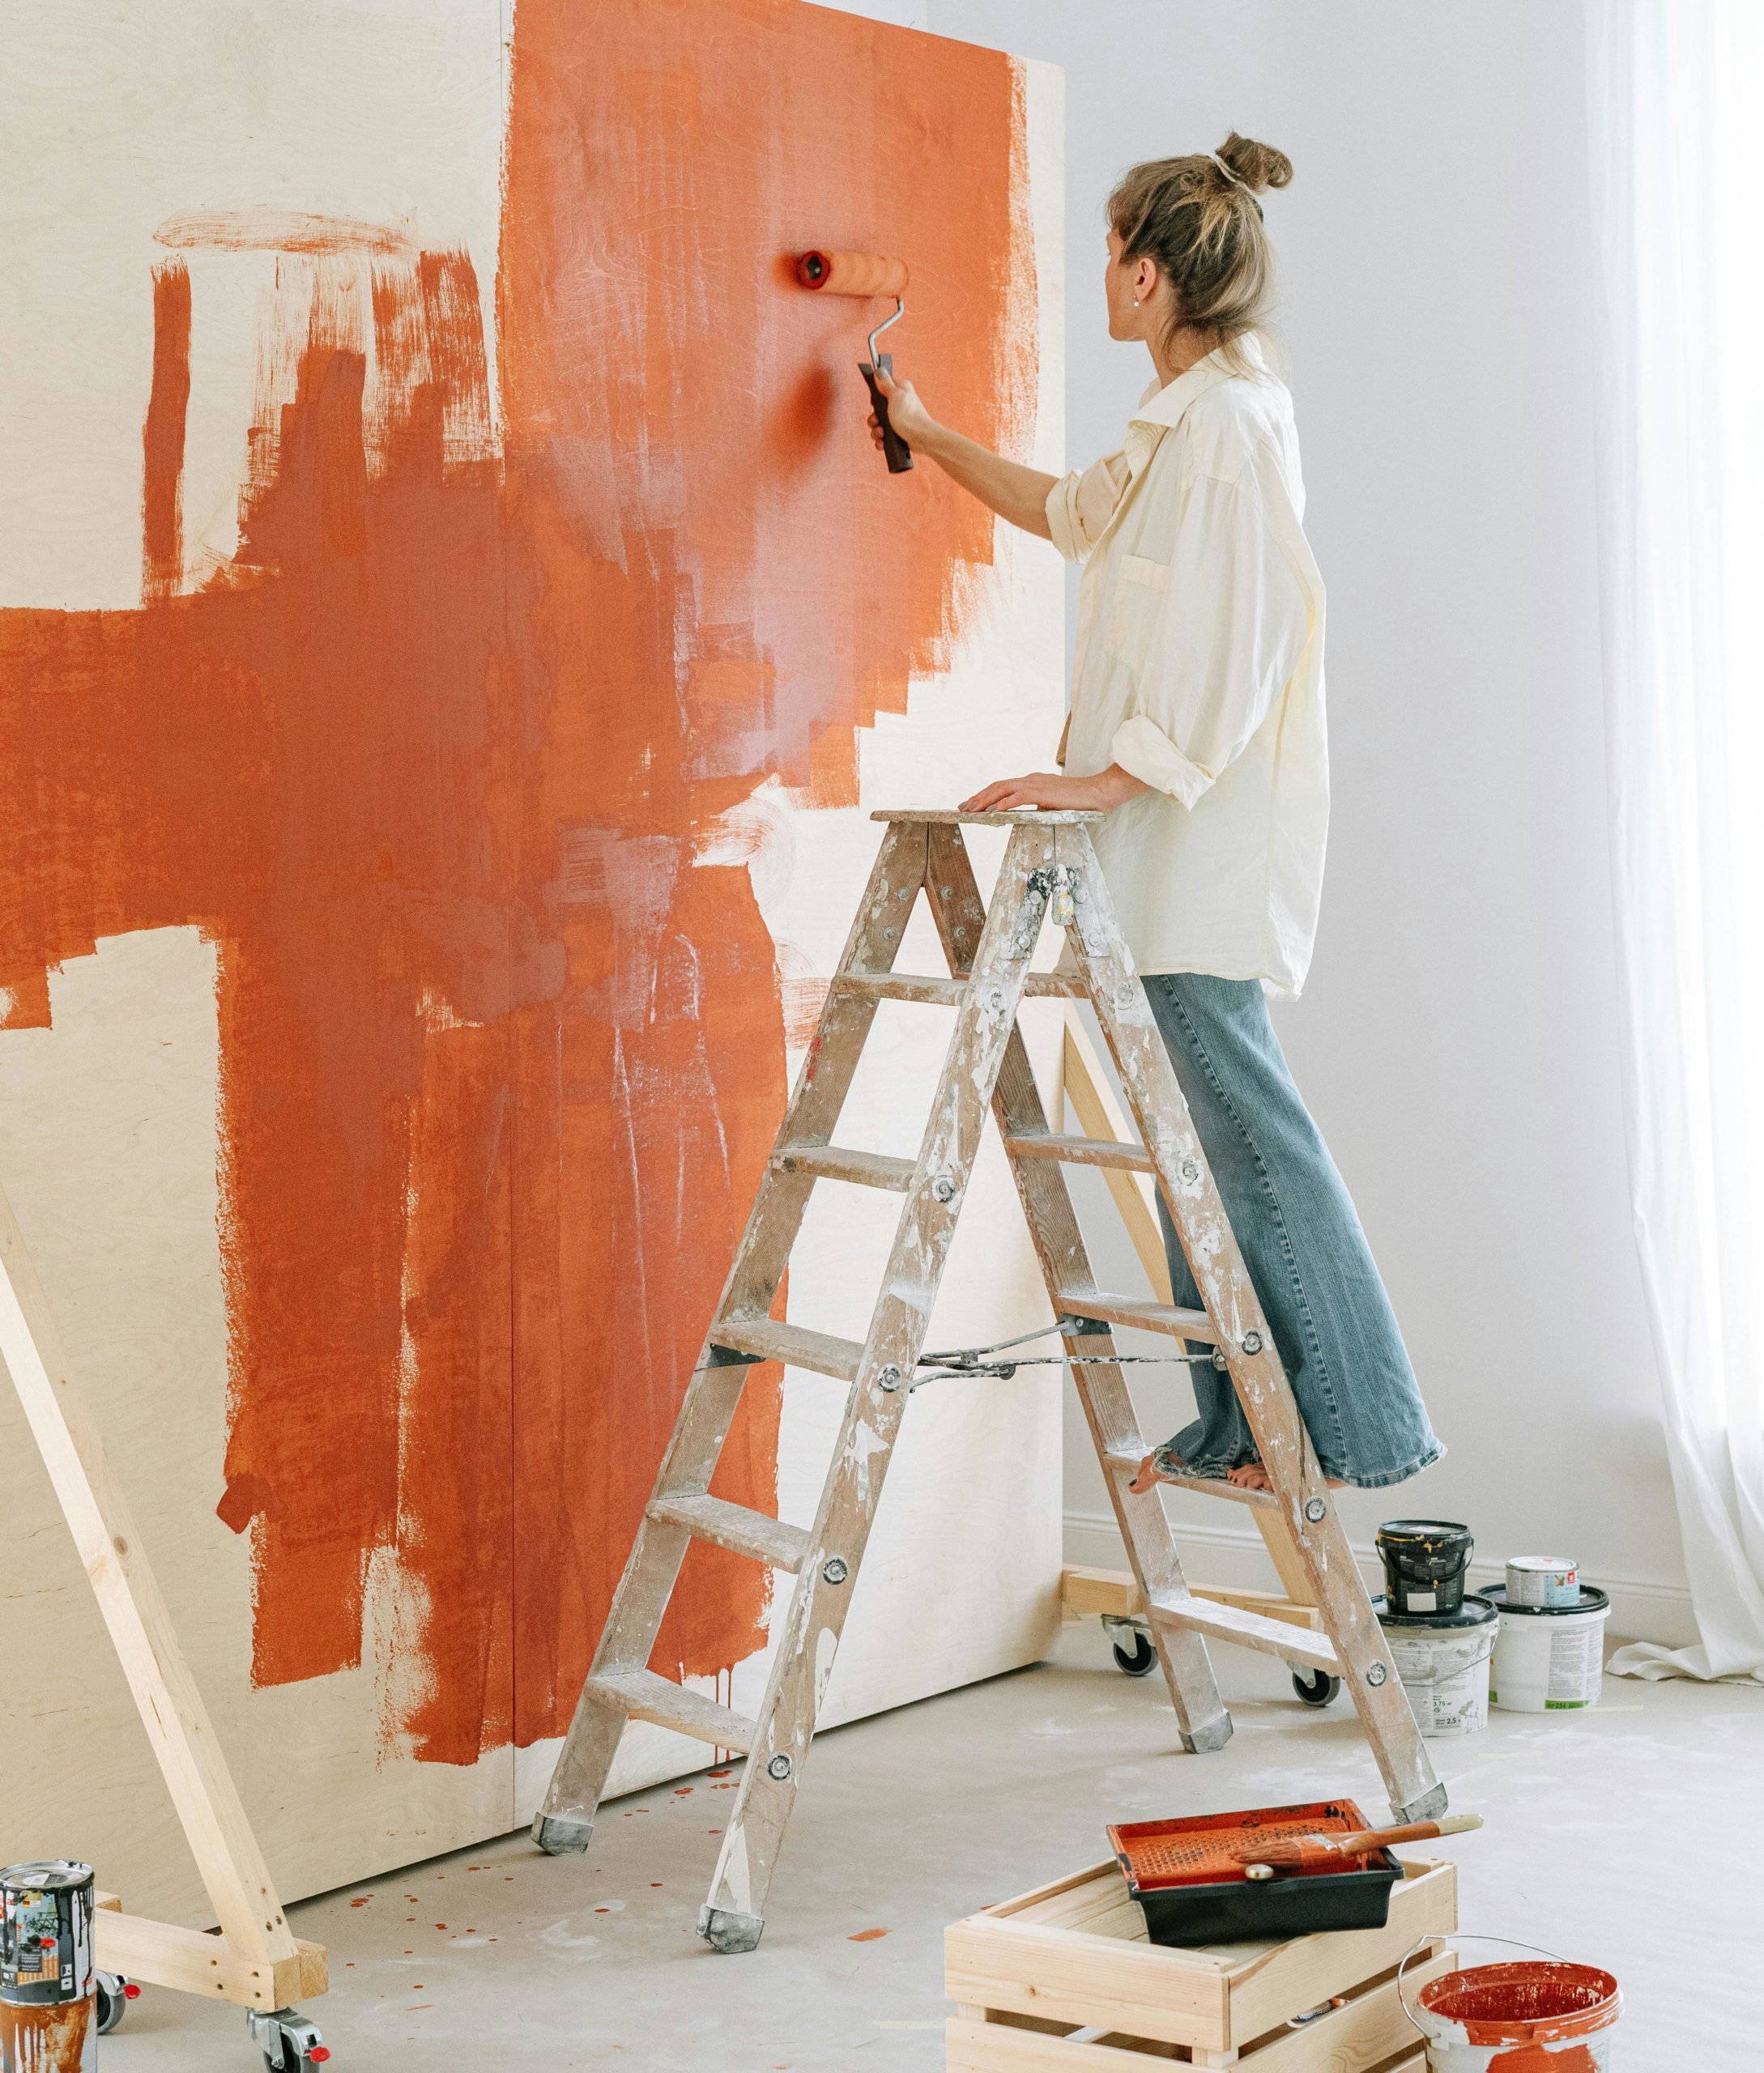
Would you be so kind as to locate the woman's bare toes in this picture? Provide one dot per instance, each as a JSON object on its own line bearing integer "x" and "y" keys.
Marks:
{"x": 1147, "y": 1477}
{"x": 1250, "y": 1476}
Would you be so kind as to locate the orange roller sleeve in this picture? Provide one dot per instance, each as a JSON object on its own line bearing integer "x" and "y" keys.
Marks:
{"x": 852, "y": 273}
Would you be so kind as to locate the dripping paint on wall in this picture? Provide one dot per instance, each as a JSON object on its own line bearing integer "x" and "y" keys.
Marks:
{"x": 432, "y": 757}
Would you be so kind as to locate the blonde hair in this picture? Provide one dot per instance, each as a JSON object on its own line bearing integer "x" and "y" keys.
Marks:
{"x": 1198, "y": 219}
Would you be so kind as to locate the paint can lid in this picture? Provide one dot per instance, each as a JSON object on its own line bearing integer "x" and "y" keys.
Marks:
{"x": 1474, "y": 1612}
{"x": 1555, "y": 1563}
{"x": 58, "y": 1875}
{"x": 1591, "y": 1599}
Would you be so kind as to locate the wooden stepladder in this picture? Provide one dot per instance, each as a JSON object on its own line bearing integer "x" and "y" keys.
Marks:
{"x": 1050, "y": 871}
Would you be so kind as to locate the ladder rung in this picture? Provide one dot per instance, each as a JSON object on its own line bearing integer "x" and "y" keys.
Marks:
{"x": 1249, "y": 1630}
{"x": 833, "y": 1162}
{"x": 1083, "y": 1151}
{"x": 791, "y": 1344}
{"x": 1142, "y": 1316}
{"x": 1206, "y": 1486}
{"x": 645, "y": 1697}
{"x": 778, "y": 1545}
{"x": 949, "y": 993}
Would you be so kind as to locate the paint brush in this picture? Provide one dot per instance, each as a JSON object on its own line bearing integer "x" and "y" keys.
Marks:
{"x": 865, "y": 274}
{"x": 1313, "y": 1853}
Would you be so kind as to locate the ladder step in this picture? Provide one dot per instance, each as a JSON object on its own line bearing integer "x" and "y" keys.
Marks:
{"x": 791, "y": 1344}
{"x": 1205, "y": 1486}
{"x": 645, "y": 1697}
{"x": 833, "y": 1162}
{"x": 1083, "y": 1151}
{"x": 1130, "y": 1310}
{"x": 1248, "y": 1630}
{"x": 766, "y": 1539}
{"x": 950, "y": 992}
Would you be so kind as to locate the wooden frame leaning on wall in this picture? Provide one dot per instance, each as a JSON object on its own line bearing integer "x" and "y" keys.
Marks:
{"x": 256, "y": 1960}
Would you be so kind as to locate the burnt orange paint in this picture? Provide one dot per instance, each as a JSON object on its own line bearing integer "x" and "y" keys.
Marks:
{"x": 430, "y": 762}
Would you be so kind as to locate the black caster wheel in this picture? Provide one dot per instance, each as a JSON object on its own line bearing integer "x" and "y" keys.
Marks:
{"x": 1316, "y": 1687}
{"x": 114, "y": 1994}
{"x": 289, "y": 2042}
{"x": 1141, "y": 1661}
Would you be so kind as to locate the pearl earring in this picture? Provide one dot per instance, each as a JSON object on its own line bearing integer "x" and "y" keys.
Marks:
{"x": 1135, "y": 302}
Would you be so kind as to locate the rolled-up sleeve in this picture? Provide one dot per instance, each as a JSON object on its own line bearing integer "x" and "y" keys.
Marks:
{"x": 1079, "y": 506}
{"x": 1229, "y": 632}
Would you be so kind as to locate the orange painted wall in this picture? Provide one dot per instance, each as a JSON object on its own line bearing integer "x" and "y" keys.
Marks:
{"x": 431, "y": 762}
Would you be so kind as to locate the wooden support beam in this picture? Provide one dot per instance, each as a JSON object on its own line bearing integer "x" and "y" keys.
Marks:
{"x": 256, "y": 1951}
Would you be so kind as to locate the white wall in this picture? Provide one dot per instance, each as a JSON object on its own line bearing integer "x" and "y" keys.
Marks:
{"x": 1457, "y": 1042}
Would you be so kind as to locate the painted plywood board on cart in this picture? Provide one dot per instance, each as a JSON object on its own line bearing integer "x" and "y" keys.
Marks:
{"x": 453, "y": 628}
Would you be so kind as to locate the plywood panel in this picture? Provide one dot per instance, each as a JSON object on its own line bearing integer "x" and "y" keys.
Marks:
{"x": 439, "y": 710}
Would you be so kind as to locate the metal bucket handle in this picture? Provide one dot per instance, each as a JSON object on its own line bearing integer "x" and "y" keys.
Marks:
{"x": 1477, "y": 1937}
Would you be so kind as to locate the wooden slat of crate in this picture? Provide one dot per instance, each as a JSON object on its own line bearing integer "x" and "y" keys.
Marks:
{"x": 1075, "y": 1952}
{"x": 1369, "y": 2035}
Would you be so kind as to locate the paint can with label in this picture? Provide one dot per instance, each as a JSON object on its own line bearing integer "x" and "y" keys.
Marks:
{"x": 1442, "y": 1659}
{"x": 48, "y": 1979}
{"x": 1549, "y": 1658}
{"x": 1542, "y": 1580}
{"x": 1424, "y": 1561}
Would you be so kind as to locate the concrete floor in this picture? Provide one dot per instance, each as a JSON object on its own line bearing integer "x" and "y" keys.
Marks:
{"x": 501, "y": 1958}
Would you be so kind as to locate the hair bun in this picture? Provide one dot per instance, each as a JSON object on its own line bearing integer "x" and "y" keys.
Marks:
{"x": 1259, "y": 166}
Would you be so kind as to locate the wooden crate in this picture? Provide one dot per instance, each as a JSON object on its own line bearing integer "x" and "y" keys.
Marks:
{"x": 1063, "y": 1980}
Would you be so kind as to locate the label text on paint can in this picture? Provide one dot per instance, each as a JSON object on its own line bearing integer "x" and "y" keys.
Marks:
{"x": 1542, "y": 1580}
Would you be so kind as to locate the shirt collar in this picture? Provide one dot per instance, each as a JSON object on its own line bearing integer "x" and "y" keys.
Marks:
{"x": 1164, "y": 406}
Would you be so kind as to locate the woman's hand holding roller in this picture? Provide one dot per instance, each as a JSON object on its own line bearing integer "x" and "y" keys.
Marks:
{"x": 909, "y": 416}
{"x": 1050, "y": 788}
{"x": 1016, "y": 493}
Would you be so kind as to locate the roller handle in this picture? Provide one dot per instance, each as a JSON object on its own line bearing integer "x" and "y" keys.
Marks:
{"x": 900, "y": 454}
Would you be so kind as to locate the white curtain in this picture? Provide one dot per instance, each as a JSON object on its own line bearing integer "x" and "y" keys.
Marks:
{"x": 1676, "y": 107}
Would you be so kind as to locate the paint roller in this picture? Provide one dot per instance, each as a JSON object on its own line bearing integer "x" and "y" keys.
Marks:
{"x": 868, "y": 274}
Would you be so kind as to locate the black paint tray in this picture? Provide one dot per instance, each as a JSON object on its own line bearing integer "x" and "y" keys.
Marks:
{"x": 1193, "y": 1891}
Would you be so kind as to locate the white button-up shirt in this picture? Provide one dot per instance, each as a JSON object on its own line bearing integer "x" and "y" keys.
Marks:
{"x": 1199, "y": 669}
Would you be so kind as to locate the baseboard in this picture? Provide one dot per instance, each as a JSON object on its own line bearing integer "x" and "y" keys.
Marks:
{"x": 1233, "y": 1557}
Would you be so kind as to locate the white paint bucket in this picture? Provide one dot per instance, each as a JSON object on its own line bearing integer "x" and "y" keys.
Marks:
{"x": 1487, "y": 2017}
{"x": 1542, "y": 1580}
{"x": 1443, "y": 1663}
{"x": 1549, "y": 1658}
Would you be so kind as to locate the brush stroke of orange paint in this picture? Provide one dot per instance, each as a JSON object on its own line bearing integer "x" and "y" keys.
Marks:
{"x": 431, "y": 762}
{"x": 722, "y": 583}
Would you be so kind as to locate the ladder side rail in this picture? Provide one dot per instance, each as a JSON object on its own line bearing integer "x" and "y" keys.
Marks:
{"x": 824, "y": 1077}
{"x": 1306, "y": 1504}
{"x": 733, "y": 1916}
{"x": 1201, "y": 1718}
{"x": 565, "y": 1817}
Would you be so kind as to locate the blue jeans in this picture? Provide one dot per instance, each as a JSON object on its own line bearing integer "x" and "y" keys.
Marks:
{"x": 1301, "y": 1240}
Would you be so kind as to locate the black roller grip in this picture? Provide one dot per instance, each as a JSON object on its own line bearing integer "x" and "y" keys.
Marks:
{"x": 900, "y": 454}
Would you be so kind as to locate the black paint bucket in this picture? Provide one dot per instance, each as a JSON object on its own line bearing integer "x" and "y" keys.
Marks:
{"x": 1424, "y": 1562}
{"x": 47, "y": 1981}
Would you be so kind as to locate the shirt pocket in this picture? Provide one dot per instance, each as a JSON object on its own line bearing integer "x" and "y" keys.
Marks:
{"x": 1141, "y": 587}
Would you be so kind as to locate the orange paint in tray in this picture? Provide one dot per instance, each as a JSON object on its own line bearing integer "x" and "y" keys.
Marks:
{"x": 1195, "y": 1889}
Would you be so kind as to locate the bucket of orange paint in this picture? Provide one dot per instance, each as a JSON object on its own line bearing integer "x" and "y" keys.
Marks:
{"x": 1552, "y": 2017}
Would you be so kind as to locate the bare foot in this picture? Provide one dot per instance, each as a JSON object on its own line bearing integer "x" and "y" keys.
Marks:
{"x": 1250, "y": 1475}
{"x": 1253, "y": 1476}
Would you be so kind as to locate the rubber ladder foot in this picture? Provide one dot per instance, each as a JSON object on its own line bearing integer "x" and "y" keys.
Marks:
{"x": 1429, "y": 1807}
{"x": 559, "y": 1836}
{"x": 1209, "y": 1735}
{"x": 724, "y": 1930}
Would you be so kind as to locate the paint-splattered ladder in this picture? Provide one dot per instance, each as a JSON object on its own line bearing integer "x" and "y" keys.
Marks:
{"x": 1049, "y": 869}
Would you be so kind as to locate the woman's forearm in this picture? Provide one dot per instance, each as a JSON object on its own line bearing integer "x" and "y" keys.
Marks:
{"x": 1016, "y": 493}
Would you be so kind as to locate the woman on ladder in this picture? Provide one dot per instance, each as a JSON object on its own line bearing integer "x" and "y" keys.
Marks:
{"x": 1197, "y": 728}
